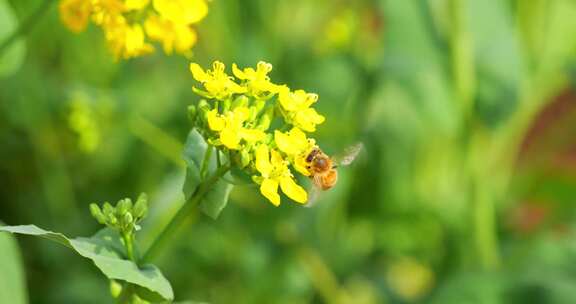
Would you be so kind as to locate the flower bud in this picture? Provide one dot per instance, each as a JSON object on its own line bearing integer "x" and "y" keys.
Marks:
{"x": 244, "y": 158}
{"x": 127, "y": 220}
{"x": 115, "y": 288}
{"x": 107, "y": 209}
{"x": 123, "y": 206}
{"x": 240, "y": 101}
{"x": 141, "y": 207}
{"x": 192, "y": 113}
{"x": 97, "y": 214}
{"x": 266, "y": 119}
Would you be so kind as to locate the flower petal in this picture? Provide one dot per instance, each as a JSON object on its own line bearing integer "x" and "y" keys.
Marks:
{"x": 215, "y": 122}
{"x": 284, "y": 142}
{"x": 293, "y": 190}
{"x": 263, "y": 164}
{"x": 198, "y": 73}
{"x": 269, "y": 188}
{"x": 238, "y": 72}
{"x": 252, "y": 135}
{"x": 230, "y": 138}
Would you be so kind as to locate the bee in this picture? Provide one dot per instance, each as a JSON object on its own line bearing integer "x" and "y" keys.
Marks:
{"x": 322, "y": 167}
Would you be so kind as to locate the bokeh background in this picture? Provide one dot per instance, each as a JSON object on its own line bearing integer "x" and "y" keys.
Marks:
{"x": 464, "y": 194}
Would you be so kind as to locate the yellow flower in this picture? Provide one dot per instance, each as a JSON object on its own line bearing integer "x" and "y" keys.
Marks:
{"x": 173, "y": 36}
{"x": 216, "y": 82}
{"x": 297, "y": 105}
{"x": 107, "y": 12}
{"x": 75, "y": 14}
{"x": 136, "y": 4}
{"x": 296, "y": 146}
{"x": 183, "y": 12}
{"x": 126, "y": 41}
{"x": 231, "y": 129}
{"x": 274, "y": 171}
{"x": 257, "y": 81}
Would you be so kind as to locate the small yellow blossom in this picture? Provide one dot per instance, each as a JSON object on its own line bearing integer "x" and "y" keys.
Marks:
{"x": 298, "y": 111}
{"x": 107, "y": 12}
{"x": 127, "y": 41}
{"x": 182, "y": 11}
{"x": 242, "y": 123}
{"x": 217, "y": 83}
{"x": 257, "y": 81}
{"x": 296, "y": 146}
{"x": 274, "y": 172}
{"x": 123, "y": 22}
{"x": 173, "y": 36}
{"x": 231, "y": 129}
{"x": 75, "y": 14}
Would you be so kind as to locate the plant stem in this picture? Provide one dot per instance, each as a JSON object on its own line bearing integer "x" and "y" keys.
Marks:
{"x": 26, "y": 25}
{"x": 182, "y": 214}
{"x": 129, "y": 244}
{"x": 205, "y": 162}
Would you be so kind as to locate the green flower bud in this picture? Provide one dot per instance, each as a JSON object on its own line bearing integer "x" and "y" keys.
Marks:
{"x": 244, "y": 158}
{"x": 141, "y": 207}
{"x": 192, "y": 113}
{"x": 259, "y": 105}
{"x": 203, "y": 105}
{"x": 226, "y": 105}
{"x": 112, "y": 220}
{"x": 123, "y": 206}
{"x": 97, "y": 214}
{"x": 266, "y": 119}
{"x": 115, "y": 288}
{"x": 127, "y": 221}
{"x": 240, "y": 101}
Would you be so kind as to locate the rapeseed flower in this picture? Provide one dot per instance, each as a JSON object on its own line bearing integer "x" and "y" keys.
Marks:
{"x": 274, "y": 172}
{"x": 297, "y": 110}
{"x": 257, "y": 81}
{"x": 130, "y": 25}
{"x": 217, "y": 83}
{"x": 245, "y": 116}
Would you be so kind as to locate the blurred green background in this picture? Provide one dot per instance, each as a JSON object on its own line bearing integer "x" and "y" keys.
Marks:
{"x": 464, "y": 194}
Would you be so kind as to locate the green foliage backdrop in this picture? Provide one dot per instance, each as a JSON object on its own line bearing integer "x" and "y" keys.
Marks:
{"x": 464, "y": 193}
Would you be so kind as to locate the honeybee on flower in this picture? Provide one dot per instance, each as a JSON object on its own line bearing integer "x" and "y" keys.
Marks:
{"x": 262, "y": 128}
{"x": 130, "y": 26}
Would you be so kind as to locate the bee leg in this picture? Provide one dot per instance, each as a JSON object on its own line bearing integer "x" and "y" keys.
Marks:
{"x": 334, "y": 167}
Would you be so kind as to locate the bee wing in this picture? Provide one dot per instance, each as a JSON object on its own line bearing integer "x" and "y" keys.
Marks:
{"x": 314, "y": 191}
{"x": 349, "y": 154}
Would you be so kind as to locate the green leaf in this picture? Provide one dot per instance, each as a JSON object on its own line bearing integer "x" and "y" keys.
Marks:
{"x": 216, "y": 199}
{"x": 194, "y": 153}
{"x": 12, "y": 280}
{"x": 107, "y": 254}
{"x": 11, "y": 59}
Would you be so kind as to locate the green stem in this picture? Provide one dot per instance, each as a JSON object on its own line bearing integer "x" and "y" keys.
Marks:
{"x": 129, "y": 244}
{"x": 184, "y": 211}
{"x": 26, "y": 25}
{"x": 206, "y": 162}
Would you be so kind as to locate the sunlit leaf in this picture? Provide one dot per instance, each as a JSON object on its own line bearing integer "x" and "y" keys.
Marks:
{"x": 12, "y": 280}
{"x": 103, "y": 250}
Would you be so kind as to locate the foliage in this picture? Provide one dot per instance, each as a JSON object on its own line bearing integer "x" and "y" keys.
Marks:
{"x": 465, "y": 192}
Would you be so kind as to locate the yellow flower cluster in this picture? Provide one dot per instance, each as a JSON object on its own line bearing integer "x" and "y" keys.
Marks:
{"x": 130, "y": 25}
{"x": 241, "y": 121}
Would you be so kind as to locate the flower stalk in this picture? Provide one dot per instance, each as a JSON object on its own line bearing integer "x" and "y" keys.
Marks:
{"x": 162, "y": 240}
